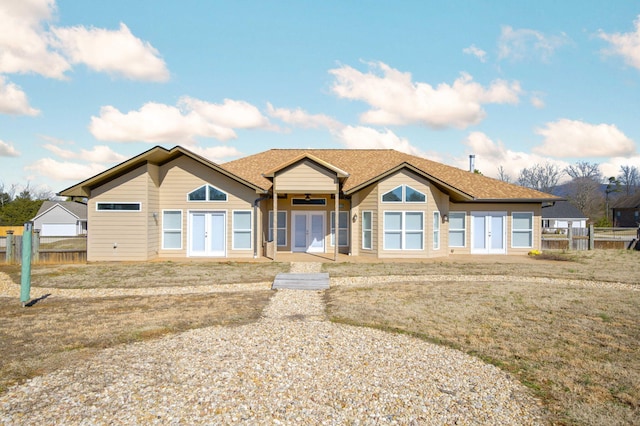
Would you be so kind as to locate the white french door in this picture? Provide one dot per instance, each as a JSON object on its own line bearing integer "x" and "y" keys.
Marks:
{"x": 488, "y": 234}
{"x": 207, "y": 234}
{"x": 308, "y": 232}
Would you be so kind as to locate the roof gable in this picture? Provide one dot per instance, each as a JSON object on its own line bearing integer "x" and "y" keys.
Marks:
{"x": 562, "y": 210}
{"x": 156, "y": 155}
{"x": 78, "y": 210}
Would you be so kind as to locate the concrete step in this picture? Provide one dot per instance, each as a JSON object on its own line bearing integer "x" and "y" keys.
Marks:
{"x": 315, "y": 281}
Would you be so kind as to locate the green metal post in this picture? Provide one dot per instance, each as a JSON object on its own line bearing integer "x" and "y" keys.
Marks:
{"x": 25, "y": 283}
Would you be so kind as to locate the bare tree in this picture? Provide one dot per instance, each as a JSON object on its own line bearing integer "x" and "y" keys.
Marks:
{"x": 629, "y": 178}
{"x": 541, "y": 177}
{"x": 584, "y": 169}
{"x": 503, "y": 175}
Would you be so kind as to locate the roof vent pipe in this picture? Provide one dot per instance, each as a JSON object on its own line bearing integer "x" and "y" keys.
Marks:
{"x": 472, "y": 163}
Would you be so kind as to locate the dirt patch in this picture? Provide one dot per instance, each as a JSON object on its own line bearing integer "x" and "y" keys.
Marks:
{"x": 57, "y": 332}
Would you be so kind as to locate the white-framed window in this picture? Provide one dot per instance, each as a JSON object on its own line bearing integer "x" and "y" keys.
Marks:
{"x": 207, "y": 193}
{"x": 282, "y": 228}
{"x": 522, "y": 229}
{"x": 343, "y": 229}
{"x": 118, "y": 206}
{"x": 367, "y": 230}
{"x": 241, "y": 230}
{"x": 403, "y": 231}
{"x": 457, "y": 229}
{"x": 404, "y": 193}
{"x": 436, "y": 230}
{"x": 172, "y": 229}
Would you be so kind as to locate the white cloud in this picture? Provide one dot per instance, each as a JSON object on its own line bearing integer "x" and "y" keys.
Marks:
{"x": 478, "y": 53}
{"x": 360, "y": 137}
{"x": 98, "y": 154}
{"x": 301, "y": 118}
{"x": 396, "y": 100}
{"x": 24, "y": 42}
{"x": 626, "y": 45}
{"x": 572, "y": 138}
{"x": 115, "y": 52}
{"x": 612, "y": 166}
{"x": 537, "y": 101}
{"x": 491, "y": 155}
{"x": 155, "y": 122}
{"x": 217, "y": 154}
{"x": 65, "y": 170}
{"x": 7, "y": 150}
{"x": 13, "y": 100}
{"x": 522, "y": 44}
{"x": 29, "y": 45}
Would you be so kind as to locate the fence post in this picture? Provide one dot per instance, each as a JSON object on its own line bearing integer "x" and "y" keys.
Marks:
{"x": 570, "y": 235}
{"x": 36, "y": 245}
{"x": 9, "y": 252}
{"x": 591, "y": 238}
{"x": 25, "y": 276}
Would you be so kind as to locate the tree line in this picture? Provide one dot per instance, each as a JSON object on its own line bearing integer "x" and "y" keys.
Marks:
{"x": 588, "y": 189}
{"x": 20, "y": 206}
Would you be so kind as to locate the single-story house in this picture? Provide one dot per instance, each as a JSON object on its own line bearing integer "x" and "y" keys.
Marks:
{"x": 61, "y": 219}
{"x": 562, "y": 215}
{"x": 626, "y": 211}
{"x": 168, "y": 203}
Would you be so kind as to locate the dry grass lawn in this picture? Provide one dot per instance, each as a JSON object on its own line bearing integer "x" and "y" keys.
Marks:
{"x": 577, "y": 347}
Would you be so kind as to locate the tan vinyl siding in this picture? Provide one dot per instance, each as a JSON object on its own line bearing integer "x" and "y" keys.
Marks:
{"x": 435, "y": 201}
{"x": 181, "y": 176}
{"x": 508, "y": 209}
{"x": 306, "y": 177}
{"x": 367, "y": 201}
{"x": 115, "y": 235}
{"x": 153, "y": 214}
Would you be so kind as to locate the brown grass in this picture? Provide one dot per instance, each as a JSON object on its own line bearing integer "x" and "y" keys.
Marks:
{"x": 148, "y": 274}
{"x": 59, "y": 332}
{"x": 576, "y": 347}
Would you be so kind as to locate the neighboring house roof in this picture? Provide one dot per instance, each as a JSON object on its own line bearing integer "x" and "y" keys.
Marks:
{"x": 79, "y": 210}
{"x": 357, "y": 168}
{"x": 562, "y": 210}
{"x": 627, "y": 202}
{"x": 365, "y": 166}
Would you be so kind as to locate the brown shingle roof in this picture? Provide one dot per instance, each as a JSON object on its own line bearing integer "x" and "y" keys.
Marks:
{"x": 365, "y": 166}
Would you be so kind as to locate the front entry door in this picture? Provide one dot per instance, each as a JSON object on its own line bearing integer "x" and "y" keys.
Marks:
{"x": 488, "y": 232}
{"x": 308, "y": 232}
{"x": 207, "y": 234}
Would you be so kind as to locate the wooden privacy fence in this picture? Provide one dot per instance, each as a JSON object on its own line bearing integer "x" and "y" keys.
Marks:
{"x": 589, "y": 238}
{"x": 44, "y": 249}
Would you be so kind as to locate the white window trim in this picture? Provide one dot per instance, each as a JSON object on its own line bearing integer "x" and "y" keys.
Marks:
{"x": 172, "y": 229}
{"x": 206, "y": 192}
{"x": 234, "y": 230}
{"x": 436, "y": 229}
{"x": 370, "y": 230}
{"x": 391, "y": 190}
{"x": 522, "y": 231}
{"x": 464, "y": 230}
{"x": 139, "y": 204}
{"x": 403, "y": 197}
{"x": 333, "y": 235}
{"x": 270, "y": 232}
{"x": 403, "y": 230}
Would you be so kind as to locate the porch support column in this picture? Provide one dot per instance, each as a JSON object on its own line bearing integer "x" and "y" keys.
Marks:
{"x": 274, "y": 233}
{"x": 336, "y": 223}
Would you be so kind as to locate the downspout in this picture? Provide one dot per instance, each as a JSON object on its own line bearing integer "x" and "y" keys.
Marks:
{"x": 256, "y": 202}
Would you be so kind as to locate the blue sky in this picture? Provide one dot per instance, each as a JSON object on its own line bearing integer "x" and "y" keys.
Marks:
{"x": 86, "y": 85}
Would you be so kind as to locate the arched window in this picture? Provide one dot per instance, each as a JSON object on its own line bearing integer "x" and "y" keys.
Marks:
{"x": 207, "y": 193}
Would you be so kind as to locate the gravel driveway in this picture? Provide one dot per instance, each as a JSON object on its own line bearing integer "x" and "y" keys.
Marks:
{"x": 291, "y": 367}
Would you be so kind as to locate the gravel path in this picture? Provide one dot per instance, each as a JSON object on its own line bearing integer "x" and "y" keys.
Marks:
{"x": 291, "y": 367}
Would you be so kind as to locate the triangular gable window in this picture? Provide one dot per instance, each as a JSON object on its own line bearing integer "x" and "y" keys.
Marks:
{"x": 413, "y": 196}
{"x": 393, "y": 196}
{"x": 207, "y": 193}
